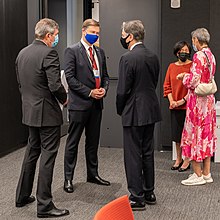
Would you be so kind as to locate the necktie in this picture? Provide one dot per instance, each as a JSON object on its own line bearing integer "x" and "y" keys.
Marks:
{"x": 94, "y": 66}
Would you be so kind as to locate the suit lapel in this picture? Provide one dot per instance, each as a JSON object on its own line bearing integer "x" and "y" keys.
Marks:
{"x": 99, "y": 59}
{"x": 85, "y": 56}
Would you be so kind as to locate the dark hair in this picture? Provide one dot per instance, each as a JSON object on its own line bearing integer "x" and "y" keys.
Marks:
{"x": 179, "y": 45}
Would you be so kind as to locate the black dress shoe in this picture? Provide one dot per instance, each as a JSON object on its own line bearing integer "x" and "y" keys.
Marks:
{"x": 184, "y": 169}
{"x": 177, "y": 167}
{"x": 98, "y": 180}
{"x": 68, "y": 186}
{"x": 137, "y": 206}
{"x": 150, "y": 199}
{"x": 30, "y": 199}
{"x": 53, "y": 213}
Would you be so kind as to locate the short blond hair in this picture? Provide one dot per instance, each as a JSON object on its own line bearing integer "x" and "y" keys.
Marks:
{"x": 90, "y": 22}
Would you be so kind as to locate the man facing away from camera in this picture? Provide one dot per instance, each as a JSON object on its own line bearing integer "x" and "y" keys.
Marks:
{"x": 138, "y": 105}
{"x": 38, "y": 74}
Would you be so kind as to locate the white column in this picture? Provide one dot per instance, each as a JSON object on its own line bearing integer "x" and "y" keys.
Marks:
{"x": 173, "y": 150}
{"x": 74, "y": 20}
{"x": 95, "y": 10}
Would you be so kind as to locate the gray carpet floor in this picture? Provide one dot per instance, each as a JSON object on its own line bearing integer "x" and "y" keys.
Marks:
{"x": 174, "y": 201}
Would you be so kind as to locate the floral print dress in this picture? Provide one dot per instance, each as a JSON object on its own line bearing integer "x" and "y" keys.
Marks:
{"x": 199, "y": 133}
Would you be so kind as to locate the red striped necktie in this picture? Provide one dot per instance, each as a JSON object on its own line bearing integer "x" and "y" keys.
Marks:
{"x": 94, "y": 66}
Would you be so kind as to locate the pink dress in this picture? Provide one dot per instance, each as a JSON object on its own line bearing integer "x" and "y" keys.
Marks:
{"x": 199, "y": 133}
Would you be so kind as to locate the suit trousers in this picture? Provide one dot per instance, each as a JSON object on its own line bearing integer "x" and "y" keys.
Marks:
{"x": 42, "y": 141}
{"x": 90, "y": 120}
{"x": 139, "y": 160}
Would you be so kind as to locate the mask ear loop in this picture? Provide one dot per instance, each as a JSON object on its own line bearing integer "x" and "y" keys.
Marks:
{"x": 177, "y": 54}
{"x": 126, "y": 39}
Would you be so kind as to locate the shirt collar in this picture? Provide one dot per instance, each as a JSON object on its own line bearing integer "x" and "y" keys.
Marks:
{"x": 135, "y": 45}
{"x": 41, "y": 41}
{"x": 85, "y": 44}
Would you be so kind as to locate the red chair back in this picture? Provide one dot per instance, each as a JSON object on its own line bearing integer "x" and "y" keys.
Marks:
{"x": 118, "y": 209}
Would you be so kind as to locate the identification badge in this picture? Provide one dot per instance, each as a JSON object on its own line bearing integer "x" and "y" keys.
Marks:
{"x": 96, "y": 73}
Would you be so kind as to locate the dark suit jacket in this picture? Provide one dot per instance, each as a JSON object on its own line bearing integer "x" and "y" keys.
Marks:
{"x": 80, "y": 77}
{"x": 136, "y": 99}
{"x": 38, "y": 74}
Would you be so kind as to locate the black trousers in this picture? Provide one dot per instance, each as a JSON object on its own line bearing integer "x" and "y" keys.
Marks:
{"x": 177, "y": 124}
{"x": 139, "y": 161}
{"x": 89, "y": 120}
{"x": 42, "y": 141}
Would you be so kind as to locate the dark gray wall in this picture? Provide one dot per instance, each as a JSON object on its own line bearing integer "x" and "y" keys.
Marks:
{"x": 164, "y": 27}
{"x": 33, "y": 13}
{"x": 112, "y": 14}
{"x": 177, "y": 24}
{"x": 13, "y": 37}
{"x": 57, "y": 11}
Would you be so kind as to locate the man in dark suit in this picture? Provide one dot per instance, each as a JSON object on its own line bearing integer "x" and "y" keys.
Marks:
{"x": 88, "y": 81}
{"x": 38, "y": 74}
{"x": 138, "y": 106}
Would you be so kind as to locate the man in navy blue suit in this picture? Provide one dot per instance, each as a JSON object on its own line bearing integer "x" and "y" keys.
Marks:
{"x": 88, "y": 81}
{"x": 138, "y": 106}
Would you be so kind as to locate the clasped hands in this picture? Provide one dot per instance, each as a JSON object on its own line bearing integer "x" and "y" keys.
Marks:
{"x": 175, "y": 104}
{"x": 98, "y": 93}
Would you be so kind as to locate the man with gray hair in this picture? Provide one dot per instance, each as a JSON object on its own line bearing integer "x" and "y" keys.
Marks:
{"x": 38, "y": 75}
{"x": 138, "y": 105}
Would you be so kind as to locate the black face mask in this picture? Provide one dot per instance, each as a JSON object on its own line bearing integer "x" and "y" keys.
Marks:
{"x": 123, "y": 42}
{"x": 183, "y": 56}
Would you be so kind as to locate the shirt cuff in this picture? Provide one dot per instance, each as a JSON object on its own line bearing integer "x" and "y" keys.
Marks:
{"x": 90, "y": 93}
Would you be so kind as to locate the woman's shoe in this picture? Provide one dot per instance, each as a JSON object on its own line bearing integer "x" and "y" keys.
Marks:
{"x": 194, "y": 180}
{"x": 177, "y": 167}
{"x": 208, "y": 178}
{"x": 184, "y": 169}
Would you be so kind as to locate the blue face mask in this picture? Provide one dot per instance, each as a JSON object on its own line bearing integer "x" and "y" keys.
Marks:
{"x": 56, "y": 40}
{"x": 91, "y": 38}
{"x": 195, "y": 48}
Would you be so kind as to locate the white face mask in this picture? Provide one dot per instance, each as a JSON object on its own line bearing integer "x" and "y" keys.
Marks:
{"x": 194, "y": 48}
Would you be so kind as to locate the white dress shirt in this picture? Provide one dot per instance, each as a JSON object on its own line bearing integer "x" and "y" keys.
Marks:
{"x": 131, "y": 48}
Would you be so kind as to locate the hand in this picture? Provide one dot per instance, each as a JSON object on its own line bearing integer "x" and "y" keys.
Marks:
{"x": 180, "y": 76}
{"x": 180, "y": 102}
{"x": 102, "y": 90}
{"x": 173, "y": 104}
{"x": 98, "y": 93}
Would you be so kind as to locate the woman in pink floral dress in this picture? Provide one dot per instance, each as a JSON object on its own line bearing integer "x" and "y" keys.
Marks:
{"x": 199, "y": 133}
